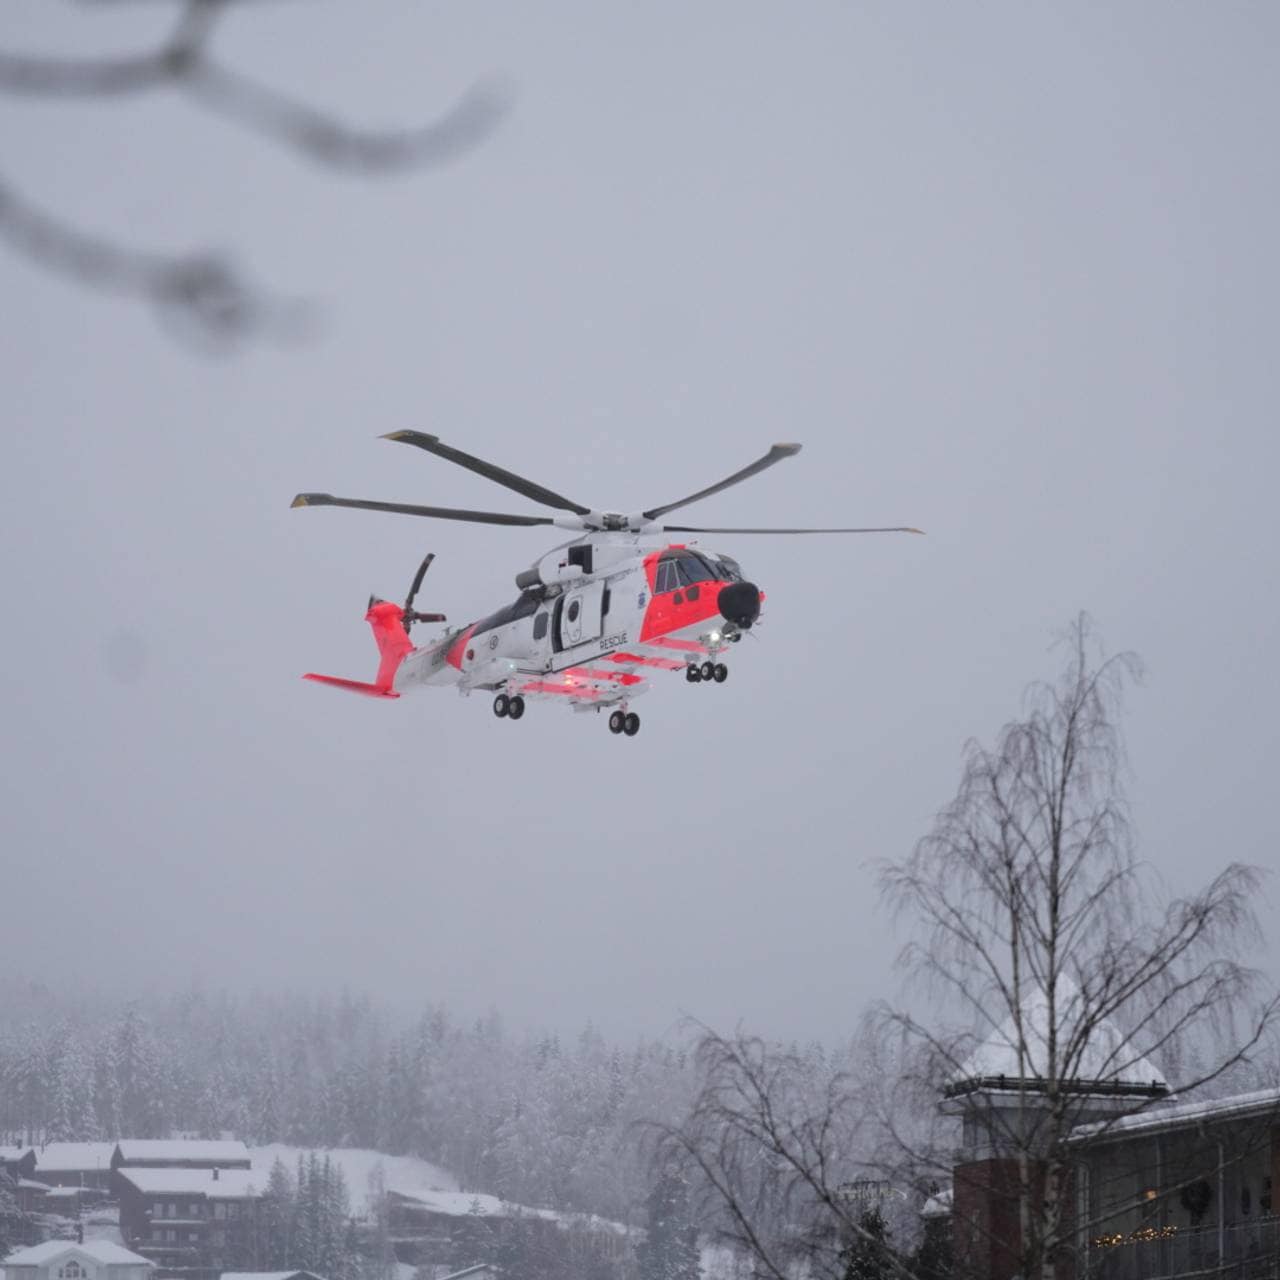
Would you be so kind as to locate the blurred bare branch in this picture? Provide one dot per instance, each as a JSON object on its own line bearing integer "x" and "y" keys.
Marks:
{"x": 211, "y": 300}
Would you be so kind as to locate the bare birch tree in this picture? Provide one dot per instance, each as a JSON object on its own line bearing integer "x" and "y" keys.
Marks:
{"x": 779, "y": 1152}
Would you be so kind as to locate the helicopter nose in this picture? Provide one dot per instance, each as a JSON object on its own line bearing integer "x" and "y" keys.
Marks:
{"x": 739, "y": 602}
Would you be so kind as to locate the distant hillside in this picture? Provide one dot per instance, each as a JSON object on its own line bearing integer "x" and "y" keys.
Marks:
{"x": 406, "y": 1174}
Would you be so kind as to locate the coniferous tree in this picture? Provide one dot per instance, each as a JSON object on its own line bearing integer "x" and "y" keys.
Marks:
{"x": 934, "y": 1257}
{"x": 276, "y": 1219}
{"x": 869, "y": 1256}
{"x": 140, "y": 1077}
{"x": 14, "y": 1224}
{"x": 670, "y": 1251}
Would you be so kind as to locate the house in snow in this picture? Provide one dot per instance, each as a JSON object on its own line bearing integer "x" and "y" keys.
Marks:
{"x": 1155, "y": 1189}
{"x": 74, "y": 1164}
{"x": 64, "y": 1260}
{"x": 189, "y": 1221}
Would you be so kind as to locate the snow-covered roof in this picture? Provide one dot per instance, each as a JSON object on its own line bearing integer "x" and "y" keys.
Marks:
{"x": 101, "y": 1251}
{"x": 11, "y": 1155}
{"x": 212, "y": 1152}
{"x": 1106, "y": 1058}
{"x": 471, "y": 1271}
{"x": 32, "y": 1185}
{"x": 461, "y": 1203}
{"x": 230, "y": 1184}
{"x": 74, "y": 1157}
{"x": 1185, "y": 1115}
{"x": 939, "y": 1205}
{"x": 267, "y": 1275}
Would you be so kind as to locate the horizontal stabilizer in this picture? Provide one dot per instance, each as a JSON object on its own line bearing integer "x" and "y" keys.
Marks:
{"x": 353, "y": 686}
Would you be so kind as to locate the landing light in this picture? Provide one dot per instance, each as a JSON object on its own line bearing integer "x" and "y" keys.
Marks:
{"x": 715, "y": 637}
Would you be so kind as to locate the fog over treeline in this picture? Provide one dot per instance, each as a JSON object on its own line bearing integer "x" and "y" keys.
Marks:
{"x": 538, "y": 1118}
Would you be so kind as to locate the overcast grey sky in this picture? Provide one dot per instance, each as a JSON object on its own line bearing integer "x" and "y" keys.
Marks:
{"x": 1008, "y": 271}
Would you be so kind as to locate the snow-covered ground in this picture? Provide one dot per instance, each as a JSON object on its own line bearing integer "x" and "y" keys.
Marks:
{"x": 406, "y": 1174}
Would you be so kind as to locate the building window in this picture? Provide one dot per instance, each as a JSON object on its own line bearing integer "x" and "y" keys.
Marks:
{"x": 219, "y": 1210}
{"x": 71, "y": 1271}
{"x": 157, "y": 1210}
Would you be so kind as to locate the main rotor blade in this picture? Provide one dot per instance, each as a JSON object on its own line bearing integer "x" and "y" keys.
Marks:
{"x": 687, "y": 528}
{"x": 775, "y": 454}
{"x": 539, "y": 493}
{"x": 408, "y": 509}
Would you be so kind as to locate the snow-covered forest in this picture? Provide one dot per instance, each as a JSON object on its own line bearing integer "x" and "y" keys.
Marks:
{"x": 536, "y": 1119}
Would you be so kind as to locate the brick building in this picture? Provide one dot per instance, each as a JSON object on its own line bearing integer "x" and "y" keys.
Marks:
{"x": 1155, "y": 1188}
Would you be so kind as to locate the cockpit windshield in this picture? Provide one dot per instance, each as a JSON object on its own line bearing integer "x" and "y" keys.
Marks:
{"x": 681, "y": 567}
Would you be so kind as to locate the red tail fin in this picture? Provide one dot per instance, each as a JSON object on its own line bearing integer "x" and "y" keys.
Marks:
{"x": 387, "y": 621}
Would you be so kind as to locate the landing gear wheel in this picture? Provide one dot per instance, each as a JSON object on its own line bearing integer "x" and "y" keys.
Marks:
{"x": 631, "y": 724}
{"x": 721, "y": 673}
{"x": 501, "y": 706}
{"x": 515, "y": 708}
{"x": 692, "y": 674}
{"x": 708, "y": 671}
{"x": 617, "y": 722}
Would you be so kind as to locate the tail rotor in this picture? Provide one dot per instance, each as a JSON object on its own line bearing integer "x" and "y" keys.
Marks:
{"x": 410, "y": 616}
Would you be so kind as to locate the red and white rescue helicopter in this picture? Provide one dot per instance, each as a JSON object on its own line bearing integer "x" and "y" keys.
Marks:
{"x": 596, "y": 616}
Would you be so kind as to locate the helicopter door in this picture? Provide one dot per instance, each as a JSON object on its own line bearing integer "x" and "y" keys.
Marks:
{"x": 581, "y": 615}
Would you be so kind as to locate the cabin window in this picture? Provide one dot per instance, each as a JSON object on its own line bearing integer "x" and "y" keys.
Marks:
{"x": 540, "y": 626}
{"x": 525, "y": 607}
{"x": 575, "y": 608}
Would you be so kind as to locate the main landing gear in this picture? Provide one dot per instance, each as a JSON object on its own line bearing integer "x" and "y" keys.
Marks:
{"x": 624, "y": 722}
{"x": 716, "y": 671}
{"x": 511, "y": 707}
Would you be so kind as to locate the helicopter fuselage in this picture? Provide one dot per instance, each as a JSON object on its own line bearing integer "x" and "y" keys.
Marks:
{"x": 603, "y": 615}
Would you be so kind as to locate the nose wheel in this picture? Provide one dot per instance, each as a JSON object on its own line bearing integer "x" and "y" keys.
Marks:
{"x": 624, "y": 722}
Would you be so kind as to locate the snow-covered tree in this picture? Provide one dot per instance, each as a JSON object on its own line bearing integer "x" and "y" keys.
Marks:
{"x": 670, "y": 1250}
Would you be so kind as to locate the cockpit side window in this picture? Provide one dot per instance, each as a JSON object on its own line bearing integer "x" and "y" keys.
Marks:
{"x": 667, "y": 578}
